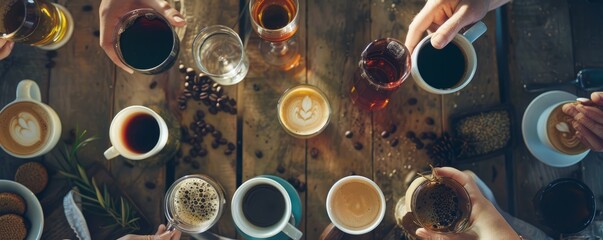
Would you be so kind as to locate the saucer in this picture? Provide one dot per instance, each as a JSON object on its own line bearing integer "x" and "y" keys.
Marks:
{"x": 530, "y": 135}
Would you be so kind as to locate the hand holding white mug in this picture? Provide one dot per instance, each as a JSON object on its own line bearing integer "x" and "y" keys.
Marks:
{"x": 588, "y": 120}
{"x": 6, "y": 47}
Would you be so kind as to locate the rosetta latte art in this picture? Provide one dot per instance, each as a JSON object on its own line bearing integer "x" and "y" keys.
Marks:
{"x": 25, "y": 129}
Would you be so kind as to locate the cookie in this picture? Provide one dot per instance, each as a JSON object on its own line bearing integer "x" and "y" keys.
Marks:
{"x": 12, "y": 226}
{"x": 33, "y": 175}
{"x": 11, "y": 203}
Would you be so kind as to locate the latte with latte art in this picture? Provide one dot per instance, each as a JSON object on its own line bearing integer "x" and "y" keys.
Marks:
{"x": 304, "y": 111}
{"x": 562, "y": 134}
{"x": 24, "y": 128}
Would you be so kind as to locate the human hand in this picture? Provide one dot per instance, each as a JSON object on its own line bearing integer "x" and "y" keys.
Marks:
{"x": 161, "y": 234}
{"x": 6, "y": 47}
{"x": 486, "y": 221}
{"x": 110, "y": 12}
{"x": 446, "y": 18}
{"x": 588, "y": 121}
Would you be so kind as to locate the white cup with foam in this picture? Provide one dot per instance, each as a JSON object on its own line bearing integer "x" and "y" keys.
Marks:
{"x": 28, "y": 127}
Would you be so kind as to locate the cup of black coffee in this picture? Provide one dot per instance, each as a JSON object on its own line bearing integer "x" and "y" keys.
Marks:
{"x": 262, "y": 208}
{"x": 447, "y": 70}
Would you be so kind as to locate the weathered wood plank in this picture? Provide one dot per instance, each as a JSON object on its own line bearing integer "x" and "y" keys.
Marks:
{"x": 334, "y": 48}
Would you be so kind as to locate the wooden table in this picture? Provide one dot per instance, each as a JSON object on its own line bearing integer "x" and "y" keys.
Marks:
{"x": 541, "y": 40}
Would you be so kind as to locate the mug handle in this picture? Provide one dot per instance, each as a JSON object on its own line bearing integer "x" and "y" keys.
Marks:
{"x": 28, "y": 90}
{"x": 292, "y": 232}
{"x": 475, "y": 31}
{"x": 111, "y": 153}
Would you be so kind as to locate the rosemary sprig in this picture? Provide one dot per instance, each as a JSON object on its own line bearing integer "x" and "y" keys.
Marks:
{"x": 96, "y": 200}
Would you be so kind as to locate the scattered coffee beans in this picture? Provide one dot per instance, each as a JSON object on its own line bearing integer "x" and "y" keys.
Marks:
{"x": 314, "y": 153}
{"x": 349, "y": 134}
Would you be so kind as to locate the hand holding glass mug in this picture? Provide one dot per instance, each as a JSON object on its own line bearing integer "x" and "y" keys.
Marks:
{"x": 6, "y": 47}
{"x": 110, "y": 12}
{"x": 587, "y": 117}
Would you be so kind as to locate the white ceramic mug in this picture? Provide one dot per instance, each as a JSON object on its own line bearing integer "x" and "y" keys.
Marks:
{"x": 25, "y": 129}
{"x": 243, "y": 224}
{"x": 353, "y": 200}
{"x": 117, "y": 128}
{"x": 464, "y": 42}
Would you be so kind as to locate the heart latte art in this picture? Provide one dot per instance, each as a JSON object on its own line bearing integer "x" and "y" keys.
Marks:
{"x": 24, "y": 128}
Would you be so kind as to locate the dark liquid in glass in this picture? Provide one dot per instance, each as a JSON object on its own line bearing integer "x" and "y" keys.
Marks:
{"x": 441, "y": 68}
{"x": 384, "y": 67}
{"x": 141, "y": 133}
{"x": 566, "y": 205}
{"x": 442, "y": 206}
{"x": 275, "y": 16}
{"x": 263, "y": 205}
{"x": 147, "y": 43}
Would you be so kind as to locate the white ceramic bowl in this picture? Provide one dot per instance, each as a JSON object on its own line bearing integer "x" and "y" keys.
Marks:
{"x": 34, "y": 213}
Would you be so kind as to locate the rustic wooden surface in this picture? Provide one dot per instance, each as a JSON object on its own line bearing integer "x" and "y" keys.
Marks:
{"x": 549, "y": 41}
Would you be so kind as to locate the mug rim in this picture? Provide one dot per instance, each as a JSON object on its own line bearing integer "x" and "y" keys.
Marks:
{"x": 241, "y": 221}
{"x": 122, "y": 116}
{"x": 363, "y": 179}
{"x": 469, "y": 53}
{"x": 53, "y": 135}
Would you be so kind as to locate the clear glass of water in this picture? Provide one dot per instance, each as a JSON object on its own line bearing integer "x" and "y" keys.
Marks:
{"x": 219, "y": 52}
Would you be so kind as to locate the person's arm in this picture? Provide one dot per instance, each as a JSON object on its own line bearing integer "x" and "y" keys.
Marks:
{"x": 5, "y": 48}
{"x": 446, "y": 18}
{"x": 110, "y": 11}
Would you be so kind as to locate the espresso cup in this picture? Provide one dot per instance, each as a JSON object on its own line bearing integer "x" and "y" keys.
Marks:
{"x": 355, "y": 205}
{"x": 28, "y": 127}
{"x": 447, "y": 70}
{"x": 555, "y": 131}
{"x": 261, "y": 208}
{"x": 304, "y": 111}
{"x": 137, "y": 133}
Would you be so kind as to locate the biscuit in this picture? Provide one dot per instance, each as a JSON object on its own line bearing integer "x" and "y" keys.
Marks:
{"x": 33, "y": 175}
{"x": 11, "y": 203}
{"x": 12, "y": 227}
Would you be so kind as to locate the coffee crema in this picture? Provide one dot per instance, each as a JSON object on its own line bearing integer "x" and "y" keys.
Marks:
{"x": 562, "y": 134}
{"x": 356, "y": 205}
{"x": 24, "y": 128}
{"x": 304, "y": 111}
{"x": 196, "y": 202}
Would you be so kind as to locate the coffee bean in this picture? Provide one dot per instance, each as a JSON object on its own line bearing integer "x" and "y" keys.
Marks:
{"x": 412, "y": 101}
{"x": 410, "y": 135}
{"x": 213, "y": 110}
{"x": 232, "y": 101}
{"x": 87, "y": 8}
{"x": 96, "y": 33}
{"x": 394, "y": 142}
{"x": 429, "y": 121}
{"x": 352, "y": 173}
{"x": 259, "y": 154}
{"x": 187, "y": 159}
{"x": 215, "y": 144}
{"x": 149, "y": 185}
{"x": 213, "y": 97}
{"x": 187, "y": 94}
{"x": 280, "y": 169}
{"x": 182, "y": 106}
{"x": 256, "y": 87}
{"x": 222, "y": 141}
{"x": 205, "y": 87}
{"x": 227, "y": 152}
{"x": 217, "y": 134}
{"x": 358, "y": 146}
{"x": 231, "y": 146}
{"x": 153, "y": 85}
{"x": 190, "y": 71}
{"x": 392, "y": 128}
{"x": 419, "y": 144}
{"x": 210, "y": 128}
{"x": 192, "y": 152}
{"x": 385, "y": 134}
{"x": 294, "y": 182}
{"x": 349, "y": 134}
{"x": 182, "y": 68}
{"x": 302, "y": 187}
{"x": 195, "y": 164}
{"x": 51, "y": 54}
{"x": 233, "y": 111}
{"x": 202, "y": 152}
{"x": 314, "y": 153}
{"x": 424, "y": 135}
{"x": 219, "y": 90}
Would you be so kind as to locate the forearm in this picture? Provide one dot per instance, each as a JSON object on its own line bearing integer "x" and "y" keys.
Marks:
{"x": 493, "y": 225}
{"x": 494, "y": 4}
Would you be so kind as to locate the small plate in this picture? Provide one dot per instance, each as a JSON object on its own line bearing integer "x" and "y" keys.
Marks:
{"x": 530, "y": 135}
{"x": 33, "y": 214}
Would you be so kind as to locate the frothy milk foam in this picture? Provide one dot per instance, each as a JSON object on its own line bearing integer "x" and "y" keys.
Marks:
{"x": 196, "y": 202}
{"x": 304, "y": 111}
{"x": 24, "y": 128}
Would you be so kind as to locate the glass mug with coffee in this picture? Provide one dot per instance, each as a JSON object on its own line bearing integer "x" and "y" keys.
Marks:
{"x": 140, "y": 133}
{"x": 40, "y": 23}
{"x": 439, "y": 204}
{"x": 193, "y": 204}
{"x": 146, "y": 42}
{"x": 383, "y": 67}
{"x": 304, "y": 111}
{"x": 28, "y": 127}
{"x": 263, "y": 207}
{"x": 556, "y": 131}
{"x": 355, "y": 205}
{"x": 447, "y": 70}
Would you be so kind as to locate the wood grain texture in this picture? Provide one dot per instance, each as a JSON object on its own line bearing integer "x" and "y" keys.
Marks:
{"x": 334, "y": 48}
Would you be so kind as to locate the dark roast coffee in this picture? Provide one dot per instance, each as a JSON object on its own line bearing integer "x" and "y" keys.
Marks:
{"x": 141, "y": 133}
{"x": 442, "y": 68}
{"x": 566, "y": 205}
{"x": 263, "y": 205}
